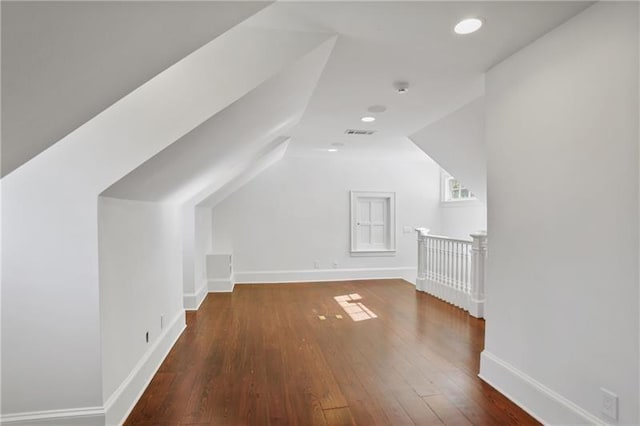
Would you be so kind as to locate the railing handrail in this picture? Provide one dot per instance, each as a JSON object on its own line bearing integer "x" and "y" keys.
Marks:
{"x": 442, "y": 237}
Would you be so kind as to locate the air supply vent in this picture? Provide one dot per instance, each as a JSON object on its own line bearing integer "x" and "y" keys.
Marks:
{"x": 359, "y": 132}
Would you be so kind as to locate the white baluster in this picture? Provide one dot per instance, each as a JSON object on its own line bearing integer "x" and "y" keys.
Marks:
{"x": 430, "y": 273}
{"x": 450, "y": 264}
{"x": 436, "y": 260}
{"x": 445, "y": 258}
{"x": 456, "y": 258}
{"x": 456, "y": 278}
{"x": 430, "y": 257}
{"x": 469, "y": 269}
{"x": 440, "y": 261}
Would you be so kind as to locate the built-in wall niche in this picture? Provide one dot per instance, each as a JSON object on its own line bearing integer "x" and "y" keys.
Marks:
{"x": 373, "y": 223}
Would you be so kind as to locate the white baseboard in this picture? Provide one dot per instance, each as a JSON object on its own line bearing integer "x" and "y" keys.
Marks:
{"x": 192, "y": 301}
{"x": 412, "y": 276}
{"x": 313, "y": 275}
{"x": 89, "y": 416}
{"x": 122, "y": 401}
{"x": 545, "y": 405}
{"x": 221, "y": 285}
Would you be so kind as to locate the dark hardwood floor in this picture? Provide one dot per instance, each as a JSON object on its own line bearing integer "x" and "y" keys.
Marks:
{"x": 262, "y": 356}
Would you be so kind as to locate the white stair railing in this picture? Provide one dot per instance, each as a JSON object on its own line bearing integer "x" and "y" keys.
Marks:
{"x": 453, "y": 269}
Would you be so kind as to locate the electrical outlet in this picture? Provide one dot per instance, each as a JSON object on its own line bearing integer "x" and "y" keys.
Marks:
{"x": 609, "y": 404}
{"x": 316, "y": 264}
{"x": 161, "y": 322}
{"x": 146, "y": 337}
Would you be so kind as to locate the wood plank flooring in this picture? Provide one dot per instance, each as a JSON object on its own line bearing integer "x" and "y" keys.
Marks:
{"x": 262, "y": 356}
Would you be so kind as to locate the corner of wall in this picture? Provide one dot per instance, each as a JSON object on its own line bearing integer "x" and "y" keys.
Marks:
{"x": 118, "y": 406}
{"x": 192, "y": 301}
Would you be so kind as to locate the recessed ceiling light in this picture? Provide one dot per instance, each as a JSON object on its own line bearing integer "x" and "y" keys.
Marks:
{"x": 332, "y": 150}
{"x": 468, "y": 26}
{"x": 368, "y": 119}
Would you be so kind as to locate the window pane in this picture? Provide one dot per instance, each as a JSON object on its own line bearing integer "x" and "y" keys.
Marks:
{"x": 464, "y": 193}
{"x": 455, "y": 194}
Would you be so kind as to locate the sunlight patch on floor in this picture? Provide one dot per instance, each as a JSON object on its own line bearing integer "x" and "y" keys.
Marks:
{"x": 356, "y": 310}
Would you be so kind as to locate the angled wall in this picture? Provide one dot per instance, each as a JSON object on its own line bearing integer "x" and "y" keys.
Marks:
{"x": 197, "y": 162}
{"x": 257, "y": 165}
{"x": 457, "y": 143}
{"x": 176, "y": 179}
{"x": 223, "y": 147}
{"x": 51, "y": 363}
{"x": 53, "y": 80}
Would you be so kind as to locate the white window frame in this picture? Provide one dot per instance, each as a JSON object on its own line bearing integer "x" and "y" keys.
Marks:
{"x": 391, "y": 242}
{"x": 445, "y": 195}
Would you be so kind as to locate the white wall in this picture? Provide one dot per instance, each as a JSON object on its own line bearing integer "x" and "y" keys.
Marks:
{"x": 140, "y": 281}
{"x": 562, "y": 289}
{"x": 203, "y": 246}
{"x": 297, "y": 212}
{"x": 52, "y": 363}
{"x": 461, "y": 218}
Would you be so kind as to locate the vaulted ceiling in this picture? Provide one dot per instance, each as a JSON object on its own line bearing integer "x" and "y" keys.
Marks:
{"x": 64, "y": 62}
{"x": 212, "y": 151}
{"x": 384, "y": 42}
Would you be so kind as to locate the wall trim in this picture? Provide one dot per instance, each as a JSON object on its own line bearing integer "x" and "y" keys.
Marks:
{"x": 119, "y": 405}
{"x": 221, "y": 285}
{"x": 256, "y": 277}
{"x": 72, "y": 416}
{"x": 123, "y": 399}
{"x": 542, "y": 403}
{"x": 192, "y": 301}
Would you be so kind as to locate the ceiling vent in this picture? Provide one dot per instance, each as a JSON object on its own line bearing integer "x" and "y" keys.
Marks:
{"x": 359, "y": 132}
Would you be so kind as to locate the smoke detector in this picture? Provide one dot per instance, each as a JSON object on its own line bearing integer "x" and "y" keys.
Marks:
{"x": 401, "y": 87}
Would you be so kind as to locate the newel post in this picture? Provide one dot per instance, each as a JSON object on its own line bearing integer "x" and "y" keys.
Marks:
{"x": 421, "y": 278}
{"x": 478, "y": 274}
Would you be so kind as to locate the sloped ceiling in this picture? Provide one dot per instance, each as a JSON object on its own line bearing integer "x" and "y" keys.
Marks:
{"x": 457, "y": 143}
{"x": 209, "y": 153}
{"x": 55, "y": 79}
{"x": 386, "y": 41}
{"x": 245, "y": 173}
{"x": 64, "y": 62}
